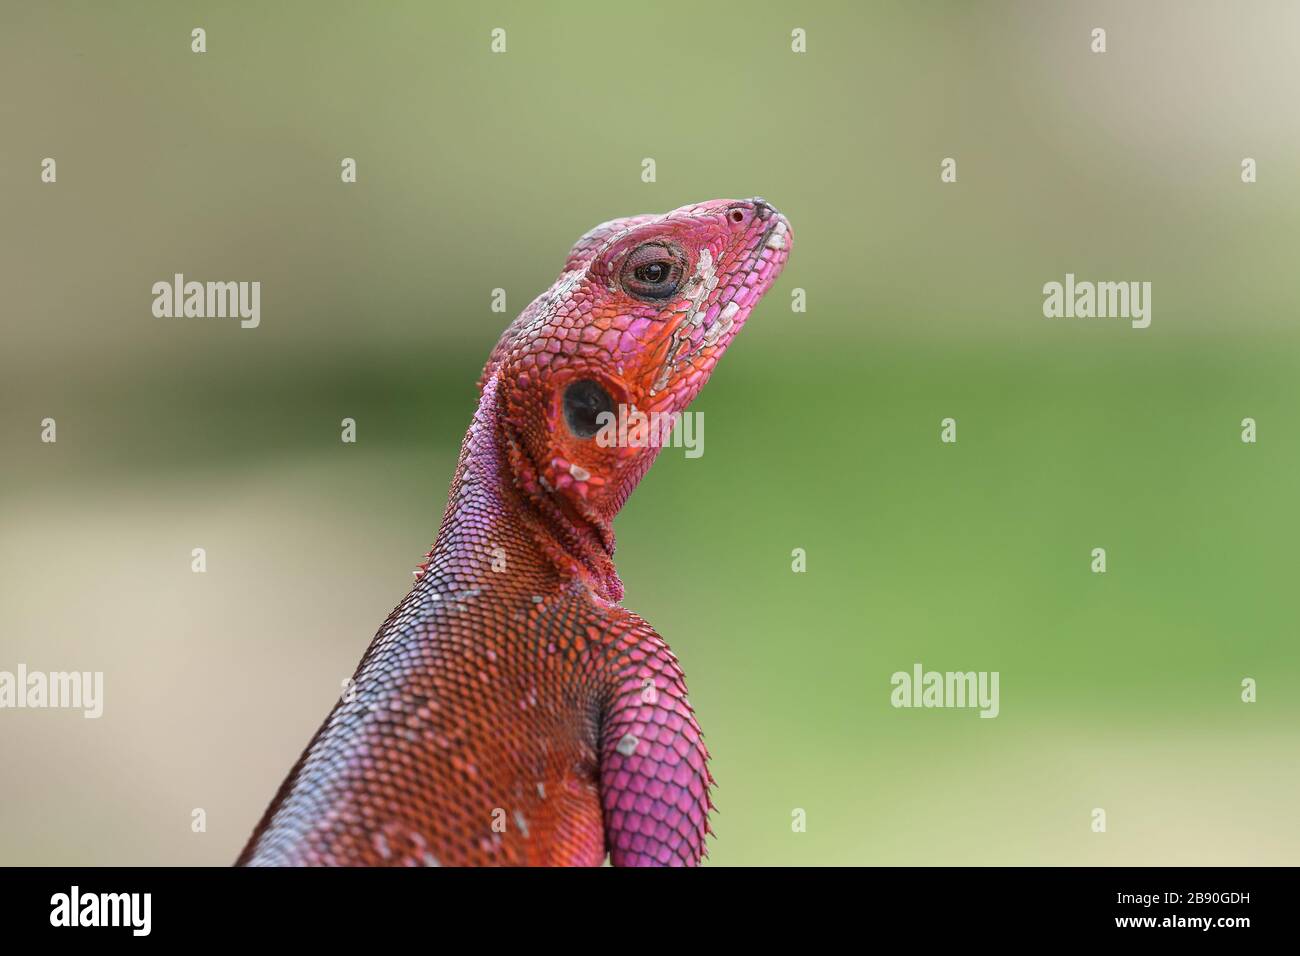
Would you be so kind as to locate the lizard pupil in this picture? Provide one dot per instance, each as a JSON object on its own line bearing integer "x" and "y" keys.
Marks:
{"x": 654, "y": 271}
{"x": 584, "y": 403}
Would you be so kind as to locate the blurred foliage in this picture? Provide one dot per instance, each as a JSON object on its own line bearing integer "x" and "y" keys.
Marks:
{"x": 477, "y": 171}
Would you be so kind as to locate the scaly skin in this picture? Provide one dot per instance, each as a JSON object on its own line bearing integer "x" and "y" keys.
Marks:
{"x": 510, "y": 711}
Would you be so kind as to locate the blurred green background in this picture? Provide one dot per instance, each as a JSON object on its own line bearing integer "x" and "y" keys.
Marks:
{"x": 477, "y": 171}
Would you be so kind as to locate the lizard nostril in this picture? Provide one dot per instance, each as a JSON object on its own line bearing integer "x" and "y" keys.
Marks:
{"x": 737, "y": 215}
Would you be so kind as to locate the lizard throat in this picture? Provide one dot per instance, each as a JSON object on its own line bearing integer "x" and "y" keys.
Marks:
{"x": 579, "y": 545}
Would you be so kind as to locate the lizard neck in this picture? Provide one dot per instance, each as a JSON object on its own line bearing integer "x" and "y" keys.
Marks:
{"x": 497, "y": 497}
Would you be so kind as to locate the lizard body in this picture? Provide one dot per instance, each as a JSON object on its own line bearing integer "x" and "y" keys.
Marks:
{"x": 510, "y": 710}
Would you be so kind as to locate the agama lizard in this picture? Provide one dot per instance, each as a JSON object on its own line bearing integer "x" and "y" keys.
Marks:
{"x": 510, "y": 710}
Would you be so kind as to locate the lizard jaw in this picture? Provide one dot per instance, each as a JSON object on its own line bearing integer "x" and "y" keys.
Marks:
{"x": 703, "y": 331}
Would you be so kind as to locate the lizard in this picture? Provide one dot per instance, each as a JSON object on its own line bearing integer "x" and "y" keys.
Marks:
{"x": 510, "y": 710}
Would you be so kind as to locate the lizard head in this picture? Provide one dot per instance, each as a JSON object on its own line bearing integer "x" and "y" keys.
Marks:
{"x": 595, "y": 370}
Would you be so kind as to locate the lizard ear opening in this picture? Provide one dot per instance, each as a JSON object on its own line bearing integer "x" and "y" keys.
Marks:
{"x": 586, "y": 404}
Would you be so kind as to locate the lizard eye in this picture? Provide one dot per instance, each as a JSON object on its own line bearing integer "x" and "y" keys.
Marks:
{"x": 584, "y": 403}
{"x": 654, "y": 271}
